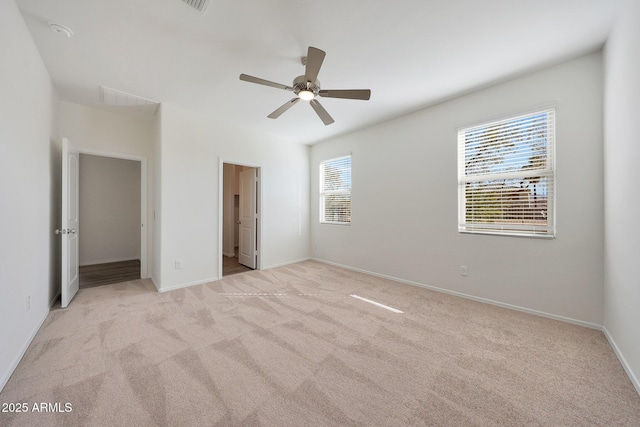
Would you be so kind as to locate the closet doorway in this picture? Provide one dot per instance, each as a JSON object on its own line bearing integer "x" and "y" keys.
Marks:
{"x": 112, "y": 237}
{"x": 240, "y": 218}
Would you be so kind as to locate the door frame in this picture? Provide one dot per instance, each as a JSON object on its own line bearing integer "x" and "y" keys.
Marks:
{"x": 144, "y": 227}
{"x": 259, "y": 170}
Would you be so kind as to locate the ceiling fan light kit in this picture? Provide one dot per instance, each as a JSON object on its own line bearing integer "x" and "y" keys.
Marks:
{"x": 306, "y": 95}
{"x": 307, "y": 87}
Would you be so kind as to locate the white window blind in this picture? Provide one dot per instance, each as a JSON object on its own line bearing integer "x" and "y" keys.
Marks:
{"x": 506, "y": 177}
{"x": 335, "y": 191}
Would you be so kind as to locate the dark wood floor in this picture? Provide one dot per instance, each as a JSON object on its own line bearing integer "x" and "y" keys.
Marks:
{"x": 116, "y": 272}
{"x": 106, "y": 274}
{"x": 230, "y": 265}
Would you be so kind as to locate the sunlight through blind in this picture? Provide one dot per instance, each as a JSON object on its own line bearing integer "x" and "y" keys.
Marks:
{"x": 506, "y": 176}
{"x": 335, "y": 191}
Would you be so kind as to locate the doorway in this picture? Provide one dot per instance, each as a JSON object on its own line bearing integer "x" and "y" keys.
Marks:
{"x": 112, "y": 218}
{"x": 70, "y": 229}
{"x": 240, "y": 227}
{"x": 109, "y": 218}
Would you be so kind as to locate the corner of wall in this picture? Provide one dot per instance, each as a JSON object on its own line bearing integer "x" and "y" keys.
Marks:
{"x": 622, "y": 359}
{"x": 621, "y": 156}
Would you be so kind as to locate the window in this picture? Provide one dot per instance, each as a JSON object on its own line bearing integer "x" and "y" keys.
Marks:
{"x": 506, "y": 176}
{"x": 335, "y": 191}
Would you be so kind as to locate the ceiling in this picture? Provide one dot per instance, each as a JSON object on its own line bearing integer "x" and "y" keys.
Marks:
{"x": 410, "y": 53}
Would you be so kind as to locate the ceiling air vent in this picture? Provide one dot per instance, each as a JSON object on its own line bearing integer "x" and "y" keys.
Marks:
{"x": 199, "y": 5}
{"x": 128, "y": 101}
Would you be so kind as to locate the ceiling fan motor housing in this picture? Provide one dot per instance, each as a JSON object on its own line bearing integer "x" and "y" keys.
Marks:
{"x": 300, "y": 84}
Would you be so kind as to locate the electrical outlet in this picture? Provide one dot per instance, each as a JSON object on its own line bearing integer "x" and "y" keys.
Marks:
{"x": 463, "y": 270}
{"x": 178, "y": 264}
{"x": 28, "y": 302}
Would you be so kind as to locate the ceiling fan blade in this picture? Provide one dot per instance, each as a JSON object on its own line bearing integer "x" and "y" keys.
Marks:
{"x": 321, "y": 112}
{"x": 314, "y": 62}
{"x": 363, "y": 94}
{"x": 252, "y": 79}
{"x": 284, "y": 108}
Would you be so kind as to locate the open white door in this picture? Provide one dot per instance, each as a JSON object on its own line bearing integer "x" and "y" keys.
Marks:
{"x": 248, "y": 218}
{"x": 69, "y": 230}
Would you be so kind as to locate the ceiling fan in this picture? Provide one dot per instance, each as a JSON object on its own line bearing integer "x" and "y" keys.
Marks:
{"x": 307, "y": 87}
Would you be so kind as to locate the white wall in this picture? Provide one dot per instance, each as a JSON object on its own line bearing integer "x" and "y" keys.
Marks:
{"x": 405, "y": 200}
{"x": 191, "y": 148}
{"x": 109, "y": 209}
{"x": 29, "y": 188}
{"x": 622, "y": 205}
{"x": 109, "y": 131}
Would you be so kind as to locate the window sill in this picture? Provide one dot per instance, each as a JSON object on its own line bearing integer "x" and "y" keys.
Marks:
{"x": 495, "y": 233}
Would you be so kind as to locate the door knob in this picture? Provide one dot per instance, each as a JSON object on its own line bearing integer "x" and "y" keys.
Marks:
{"x": 63, "y": 231}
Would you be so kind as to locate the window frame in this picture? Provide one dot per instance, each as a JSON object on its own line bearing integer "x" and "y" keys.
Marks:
{"x": 323, "y": 193}
{"x": 546, "y": 170}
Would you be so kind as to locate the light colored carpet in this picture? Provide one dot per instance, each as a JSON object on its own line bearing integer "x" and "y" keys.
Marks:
{"x": 290, "y": 347}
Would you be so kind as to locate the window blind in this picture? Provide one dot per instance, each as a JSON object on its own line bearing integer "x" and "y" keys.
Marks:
{"x": 335, "y": 191}
{"x": 506, "y": 177}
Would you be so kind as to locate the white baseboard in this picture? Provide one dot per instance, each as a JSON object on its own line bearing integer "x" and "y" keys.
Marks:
{"x": 186, "y": 285}
{"x": 107, "y": 261}
{"x": 214, "y": 279}
{"x": 53, "y": 301}
{"x": 5, "y": 377}
{"x": 155, "y": 283}
{"x": 623, "y": 361}
{"x": 282, "y": 264}
{"x": 471, "y": 297}
{"x": 229, "y": 254}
